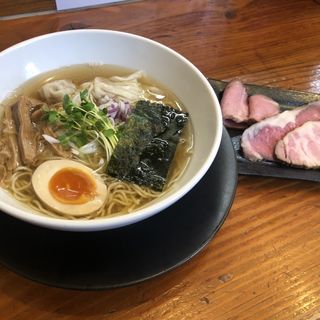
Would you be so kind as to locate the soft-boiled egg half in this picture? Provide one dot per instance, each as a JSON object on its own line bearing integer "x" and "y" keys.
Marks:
{"x": 69, "y": 187}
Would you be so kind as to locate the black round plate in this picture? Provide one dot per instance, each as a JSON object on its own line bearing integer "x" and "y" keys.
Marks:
{"x": 128, "y": 255}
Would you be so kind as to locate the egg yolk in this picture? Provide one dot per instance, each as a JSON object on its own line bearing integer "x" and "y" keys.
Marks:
{"x": 72, "y": 186}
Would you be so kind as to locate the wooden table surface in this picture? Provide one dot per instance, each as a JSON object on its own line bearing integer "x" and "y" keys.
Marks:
{"x": 264, "y": 263}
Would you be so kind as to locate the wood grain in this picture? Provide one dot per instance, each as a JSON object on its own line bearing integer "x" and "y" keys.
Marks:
{"x": 10, "y": 8}
{"x": 265, "y": 261}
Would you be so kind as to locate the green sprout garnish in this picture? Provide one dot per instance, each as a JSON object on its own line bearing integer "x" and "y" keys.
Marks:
{"x": 83, "y": 123}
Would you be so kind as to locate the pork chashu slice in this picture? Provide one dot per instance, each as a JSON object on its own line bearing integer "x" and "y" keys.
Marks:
{"x": 300, "y": 147}
{"x": 258, "y": 141}
{"x": 27, "y": 131}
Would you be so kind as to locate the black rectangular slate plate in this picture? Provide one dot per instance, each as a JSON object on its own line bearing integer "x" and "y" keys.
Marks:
{"x": 288, "y": 99}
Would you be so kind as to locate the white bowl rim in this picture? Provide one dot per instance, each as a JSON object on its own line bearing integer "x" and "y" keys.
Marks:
{"x": 139, "y": 215}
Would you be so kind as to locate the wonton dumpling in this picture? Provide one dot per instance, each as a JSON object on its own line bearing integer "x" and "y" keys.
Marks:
{"x": 126, "y": 88}
{"x": 54, "y": 91}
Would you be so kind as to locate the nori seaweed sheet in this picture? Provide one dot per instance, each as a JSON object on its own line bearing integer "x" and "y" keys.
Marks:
{"x": 147, "y": 144}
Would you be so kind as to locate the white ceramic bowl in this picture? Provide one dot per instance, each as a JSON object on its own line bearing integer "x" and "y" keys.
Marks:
{"x": 32, "y": 57}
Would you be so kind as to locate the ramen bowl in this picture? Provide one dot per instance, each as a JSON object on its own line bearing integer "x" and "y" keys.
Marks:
{"x": 30, "y": 58}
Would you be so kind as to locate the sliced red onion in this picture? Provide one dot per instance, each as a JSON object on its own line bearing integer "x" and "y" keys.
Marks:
{"x": 118, "y": 110}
